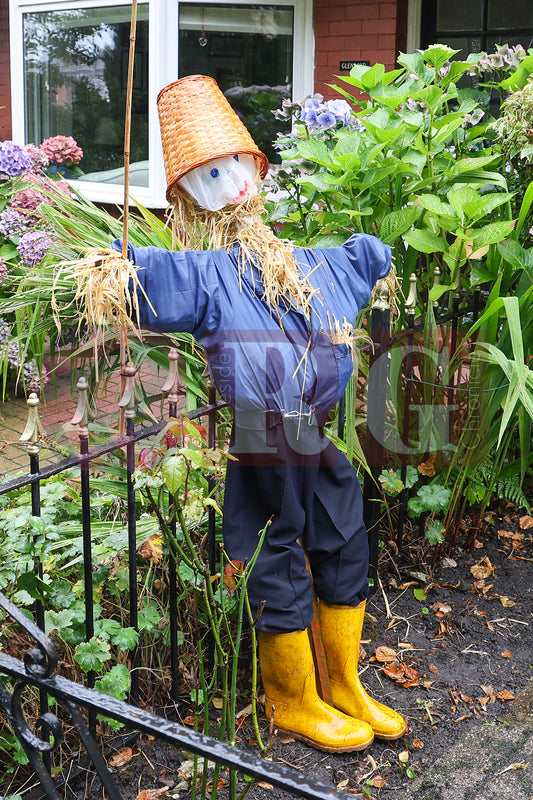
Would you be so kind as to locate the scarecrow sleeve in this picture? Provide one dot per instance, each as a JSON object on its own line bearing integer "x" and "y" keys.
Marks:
{"x": 181, "y": 287}
{"x": 356, "y": 266}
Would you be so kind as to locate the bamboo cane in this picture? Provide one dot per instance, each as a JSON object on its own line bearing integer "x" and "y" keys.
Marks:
{"x": 125, "y": 219}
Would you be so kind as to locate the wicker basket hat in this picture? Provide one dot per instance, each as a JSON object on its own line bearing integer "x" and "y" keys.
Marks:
{"x": 197, "y": 125}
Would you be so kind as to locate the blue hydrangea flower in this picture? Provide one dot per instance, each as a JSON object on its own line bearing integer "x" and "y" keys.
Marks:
{"x": 14, "y": 160}
{"x": 33, "y": 247}
{"x": 341, "y": 109}
{"x": 326, "y": 119}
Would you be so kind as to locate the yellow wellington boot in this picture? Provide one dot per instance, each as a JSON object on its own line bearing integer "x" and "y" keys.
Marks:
{"x": 288, "y": 675}
{"x": 341, "y": 628}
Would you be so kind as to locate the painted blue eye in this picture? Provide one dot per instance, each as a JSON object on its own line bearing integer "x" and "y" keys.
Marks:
{"x": 215, "y": 173}
{"x": 236, "y": 157}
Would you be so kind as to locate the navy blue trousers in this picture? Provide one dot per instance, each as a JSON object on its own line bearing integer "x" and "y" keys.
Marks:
{"x": 313, "y": 500}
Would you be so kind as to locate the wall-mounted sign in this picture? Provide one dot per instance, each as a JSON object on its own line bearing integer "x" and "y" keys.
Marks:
{"x": 345, "y": 66}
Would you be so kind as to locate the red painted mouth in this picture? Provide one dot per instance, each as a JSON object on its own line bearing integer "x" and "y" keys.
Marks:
{"x": 242, "y": 194}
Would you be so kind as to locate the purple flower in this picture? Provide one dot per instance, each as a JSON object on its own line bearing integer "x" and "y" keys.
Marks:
{"x": 14, "y": 160}
{"x": 4, "y": 271}
{"x": 14, "y": 222}
{"x": 33, "y": 247}
{"x": 326, "y": 119}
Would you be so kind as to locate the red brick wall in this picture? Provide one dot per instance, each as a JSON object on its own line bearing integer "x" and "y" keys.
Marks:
{"x": 370, "y": 30}
{"x": 5, "y": 95}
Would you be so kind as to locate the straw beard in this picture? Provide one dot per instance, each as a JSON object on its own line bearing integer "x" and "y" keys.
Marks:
{"x": 284, "y": 284}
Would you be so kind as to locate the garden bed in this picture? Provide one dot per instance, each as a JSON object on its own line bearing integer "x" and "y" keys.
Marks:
{"x": 450, "y": 662}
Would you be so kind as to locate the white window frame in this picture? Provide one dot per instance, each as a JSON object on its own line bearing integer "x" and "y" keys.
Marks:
{"x": 163, "y": 44}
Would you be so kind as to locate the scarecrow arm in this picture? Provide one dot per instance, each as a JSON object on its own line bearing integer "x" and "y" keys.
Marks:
{"x": 182, "y": 288}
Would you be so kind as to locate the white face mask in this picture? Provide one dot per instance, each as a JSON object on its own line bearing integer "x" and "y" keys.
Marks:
{"x": 223, "y": 181}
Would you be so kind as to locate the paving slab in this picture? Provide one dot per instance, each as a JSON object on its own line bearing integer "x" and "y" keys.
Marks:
{"x": 490, "y": 762}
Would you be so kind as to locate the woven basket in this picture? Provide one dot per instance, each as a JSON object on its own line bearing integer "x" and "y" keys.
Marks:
{"x": 197, "y": 125}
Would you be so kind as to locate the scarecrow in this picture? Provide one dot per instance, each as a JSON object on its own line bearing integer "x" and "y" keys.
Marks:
{"x": 277, "y": 326}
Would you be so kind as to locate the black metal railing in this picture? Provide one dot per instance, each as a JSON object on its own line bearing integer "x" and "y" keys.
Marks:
{"x": 38, "y": 670}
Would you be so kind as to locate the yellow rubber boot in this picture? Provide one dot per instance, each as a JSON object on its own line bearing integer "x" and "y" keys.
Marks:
{"x": 288, "y": 675}
{"x": 341, "y": 628}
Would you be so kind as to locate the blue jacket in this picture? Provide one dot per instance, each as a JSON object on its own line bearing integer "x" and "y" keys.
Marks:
{"x": 255, "y": 363}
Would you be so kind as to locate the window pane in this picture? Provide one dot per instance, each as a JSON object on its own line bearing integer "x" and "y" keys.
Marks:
{"x": 76, "y": 68}
{"x": 458, "y": 15}
{"x": 512, "y": 14}
{"x": 248, "y": 49}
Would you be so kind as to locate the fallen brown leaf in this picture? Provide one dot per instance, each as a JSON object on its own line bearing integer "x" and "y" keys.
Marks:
{"x": 490, "y": 692}
{"x": 151, "y": 794}
{"x": 483, "y": 568}
{"x": 441, "y": 609}
{"x": 417, "y": 744}
{"x": 385, "y": 654}
{"x": 460, "y": 719}
{"x": 264, "y": 785}
{"x": 507, "y": 602}
{"x": 432, "y": 668}
{"x": 428, "y": 468}
{"x": 121, "y": 757}
{"x": 505, "y": 695}
{"x": 378, "y": 781}
{"x": 506, "y": 654}
{"x": 526, "y": 522}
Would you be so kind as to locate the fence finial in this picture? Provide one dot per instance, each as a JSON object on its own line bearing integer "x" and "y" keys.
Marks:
{"x": 84, "y": 413}
{"x": 171, "y": 384}
{"x": 381, "y": 295}
{"x": 410, "y": 303}
{"x": 436, "y": 282}
{"x": 33, "y": 430}
{"x": 128, "y": 401}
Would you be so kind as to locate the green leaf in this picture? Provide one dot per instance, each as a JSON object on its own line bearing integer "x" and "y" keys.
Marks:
{"x": 433, "y": 497}
{"x": 397, "y": 223}
{"x": 425, "y": 241}
{"x": 373, "y": 76}
{"x": 116, "y": 682}
{"x": 149, "y": 619}
{"x": 492, "y": 233}
{"x": 92, "y": 655}
{"x": 414, "y": 62}
{"x": 434, "y": 532}
{"x": 431, "y": 96}
{"x": 420, "y": 594}
{"x": 432, "y": 203}
{"x": 315, "y": 150}
{"x": 59, "y": 620}
{"x": 174, "y": 471}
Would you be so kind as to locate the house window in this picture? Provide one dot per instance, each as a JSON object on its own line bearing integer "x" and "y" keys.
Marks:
{"x": 69, "y": 63}
{"x": 477, "y": 25}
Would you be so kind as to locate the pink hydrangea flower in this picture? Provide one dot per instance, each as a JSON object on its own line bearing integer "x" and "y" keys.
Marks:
{"x": 27, "y": 198}
{"x": 39, "y": 159}
{"x": 4, "y": 271}
{"x": 62, "y": 150}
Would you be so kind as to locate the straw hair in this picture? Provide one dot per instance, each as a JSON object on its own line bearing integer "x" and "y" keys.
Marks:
{"x": 283, "y": 283}
{"x": 197, "y": 125}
